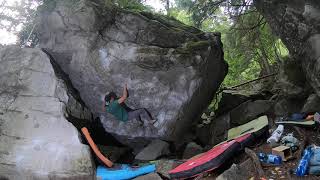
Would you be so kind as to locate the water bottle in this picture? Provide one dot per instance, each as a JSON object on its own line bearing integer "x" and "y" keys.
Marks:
{"x": 304, "y": 162}
{"x": 276, "y": 135}
{"x": 270, "y": 158}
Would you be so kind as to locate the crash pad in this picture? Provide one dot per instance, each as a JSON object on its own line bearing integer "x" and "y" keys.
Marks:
{"x": 123, "y": 171}
{"x": 238, "y": 138}
{"x": 209, "y": 160}
{"x": 248, "y": 128}
{"x": 95, "y": 149}
{"x": 303, "y": 123}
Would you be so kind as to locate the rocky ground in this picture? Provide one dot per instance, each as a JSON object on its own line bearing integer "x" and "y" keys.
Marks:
{"x": 237, "y": 107}
{"x": 242, "y": 163}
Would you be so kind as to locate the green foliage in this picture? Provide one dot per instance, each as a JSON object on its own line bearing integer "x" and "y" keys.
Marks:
{"x": 134, "y": 5}
{"x": 198, "y": 45}
{"x": 250, "y": 48}
{"x": 192, "y": 46}
{"x": 182, "y": 15}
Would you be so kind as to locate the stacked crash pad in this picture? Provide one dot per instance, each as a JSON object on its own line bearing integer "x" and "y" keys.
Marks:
{"x": 238, "y": 138}
{"x": 253, "y": 126}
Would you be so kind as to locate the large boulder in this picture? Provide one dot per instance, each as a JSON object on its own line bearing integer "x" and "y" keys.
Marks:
{"x": 36, "y": 140}
{"x": 229, "y": 100}
{"x": 291, "y": 81}
{"x": 297, "y": 23}
{"x": 287, "y": 106}
{"x": 248, "y": 111}
{"x": 171, "y": 69}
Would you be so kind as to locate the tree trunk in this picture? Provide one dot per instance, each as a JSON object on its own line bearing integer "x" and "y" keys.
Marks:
{"x": 168, "y": 7}
{"x": 264, "y": 58}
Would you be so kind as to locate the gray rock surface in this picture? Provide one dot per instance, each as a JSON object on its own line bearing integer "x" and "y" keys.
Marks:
{"x": 297, "y": 23}
{"x": 312, "y": 104}
{"x": 291, "y": 81}
{"x": 229, "y": 100}
{"x": 166, "y": 165}
{"x": 154, "y": 150}
{"x": 248, "y": 111}
{"x": 191, "y": 150}
{"x": 171, "y": 69}
{"x": 285, "y": 107}
{"x": 216, "y": 132}
{"x": 151, "y": 176}
{"x": 36, "y": 140}
{"x": 238, "y": 171}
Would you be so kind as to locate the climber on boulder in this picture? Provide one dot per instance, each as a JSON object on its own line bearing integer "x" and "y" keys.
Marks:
{"x": 117, "y": 107}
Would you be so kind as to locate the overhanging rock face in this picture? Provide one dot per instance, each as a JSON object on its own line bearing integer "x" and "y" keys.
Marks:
{"x": 171, "y": 69}
{"x": 36, "y": 140}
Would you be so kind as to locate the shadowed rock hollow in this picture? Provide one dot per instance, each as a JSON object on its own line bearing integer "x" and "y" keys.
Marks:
{"x": 171, "y": 69}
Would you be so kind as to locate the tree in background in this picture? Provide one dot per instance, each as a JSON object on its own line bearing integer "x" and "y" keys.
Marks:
{"x": 251, "y": 49}
{"x": 18, "y": 17}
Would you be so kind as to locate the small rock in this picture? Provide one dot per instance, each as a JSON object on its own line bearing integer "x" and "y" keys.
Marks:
{"x": 164, "y": 166}
{"x": 154, "y": 150}
{"x": 235, "y": 172}
{"x": 191, "y": 150}
{"x": 151, "y": 176}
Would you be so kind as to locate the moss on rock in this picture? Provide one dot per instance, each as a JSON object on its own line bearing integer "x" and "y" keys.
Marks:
{"x": 155, "y": 51}
{"x": 170, "y": 22}
{"x": 198, "y": 45}
{"x": 192, "y": 46}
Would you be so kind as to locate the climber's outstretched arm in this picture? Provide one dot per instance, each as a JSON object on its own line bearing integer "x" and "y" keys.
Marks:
{"x": 124, "y": 95}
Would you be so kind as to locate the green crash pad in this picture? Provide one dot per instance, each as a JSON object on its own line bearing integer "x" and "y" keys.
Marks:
{"x": 250, "y": 127}
{"x": 303, "y": 123}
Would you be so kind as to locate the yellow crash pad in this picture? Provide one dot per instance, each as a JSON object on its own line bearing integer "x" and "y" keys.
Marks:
{"x": 250, "y": 127}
